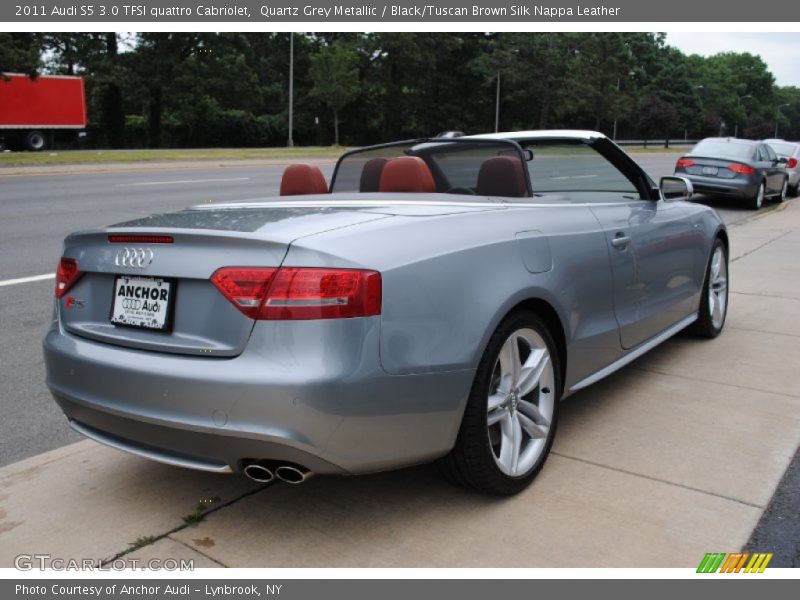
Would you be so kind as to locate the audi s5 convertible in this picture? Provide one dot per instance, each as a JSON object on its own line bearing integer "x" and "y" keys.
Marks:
{"x": 435, "y": 301}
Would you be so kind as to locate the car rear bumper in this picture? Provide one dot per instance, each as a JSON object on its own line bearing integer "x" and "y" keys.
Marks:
{"x": 714, "y": 186}
{"x": 329, "y": 406}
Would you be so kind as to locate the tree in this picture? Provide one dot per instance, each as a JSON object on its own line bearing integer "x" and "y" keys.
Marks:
{"x": 20, "y": 53}
{"x": 657, "y": 117}
{"x": 334, "y": 71}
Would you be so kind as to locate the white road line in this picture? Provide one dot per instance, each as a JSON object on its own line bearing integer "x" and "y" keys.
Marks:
{"x": 27, "y": 279}
{"x": 140, "y": 183}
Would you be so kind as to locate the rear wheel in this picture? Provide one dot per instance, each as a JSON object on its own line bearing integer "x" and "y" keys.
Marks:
{"x": 784, "y": 190}
{"x": 714, "y": 300}
{"x": 510, "y": 419}
{"x": 756, "y": 202}
{"x": 35, "y": 141}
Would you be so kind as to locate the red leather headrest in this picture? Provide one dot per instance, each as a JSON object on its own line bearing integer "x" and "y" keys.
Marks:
{"x": 371, "y": 174}
{"x": 303, "y": 179}
{"x": 502, "y": 176}
{"x": 407, "y": 174}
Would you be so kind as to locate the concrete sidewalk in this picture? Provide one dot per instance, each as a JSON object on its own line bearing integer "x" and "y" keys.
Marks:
{"x": 675, "y": 456}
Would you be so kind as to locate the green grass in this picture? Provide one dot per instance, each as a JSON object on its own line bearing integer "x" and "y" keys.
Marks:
{"x": 77, "y": 157}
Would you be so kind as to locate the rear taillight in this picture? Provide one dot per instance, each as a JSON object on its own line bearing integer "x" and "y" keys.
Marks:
{"x": 791, "y": 163}
{"x": 684, "y": 162}
{"x": 66, "y": 275}
{"x": 740, "y": 168}
{"x": 245, "y": 287}
{"x": 292, "y": 293}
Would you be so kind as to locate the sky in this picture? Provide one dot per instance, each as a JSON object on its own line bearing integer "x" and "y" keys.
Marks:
{"x": 781, "y": 51}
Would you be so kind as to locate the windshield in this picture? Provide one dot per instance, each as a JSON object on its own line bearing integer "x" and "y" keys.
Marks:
{"x": 714, "y": 149}
{"x": 460, "y": 166}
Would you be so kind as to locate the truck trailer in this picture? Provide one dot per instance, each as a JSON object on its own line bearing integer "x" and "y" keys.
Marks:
{"x": 34, "y": 109}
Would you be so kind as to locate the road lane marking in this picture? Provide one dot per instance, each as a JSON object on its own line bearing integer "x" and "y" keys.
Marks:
{"x": 140, "y": 183}
{"x": 6, "y": 282}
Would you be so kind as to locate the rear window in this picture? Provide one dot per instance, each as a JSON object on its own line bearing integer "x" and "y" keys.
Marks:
{"x": 719, "y": 149}
{"x": 783, "y": 149}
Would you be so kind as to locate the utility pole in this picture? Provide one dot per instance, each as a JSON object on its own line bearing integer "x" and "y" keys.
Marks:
{"x": 497, "y": 106}
{"x": 290, "y": 141}
{"x": 778, "y": 118}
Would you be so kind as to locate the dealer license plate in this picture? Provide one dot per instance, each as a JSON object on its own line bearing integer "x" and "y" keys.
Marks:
{"x": 143, "y": 302}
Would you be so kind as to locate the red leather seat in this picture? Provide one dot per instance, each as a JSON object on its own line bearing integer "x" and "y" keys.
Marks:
{"x": 502, "y": 176}
{"x": 301, "y": 179}
{"x": 407, "y": 174}
{"x": 371, "y": 174}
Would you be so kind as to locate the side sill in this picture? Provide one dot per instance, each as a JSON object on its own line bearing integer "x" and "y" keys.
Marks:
{"x": 634, "y": 354}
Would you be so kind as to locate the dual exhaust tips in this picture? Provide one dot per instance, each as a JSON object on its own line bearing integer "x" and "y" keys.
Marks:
{"x": 264, "y": 473}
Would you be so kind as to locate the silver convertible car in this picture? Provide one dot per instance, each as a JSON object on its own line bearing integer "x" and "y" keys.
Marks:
{"x": 436, "y": 301}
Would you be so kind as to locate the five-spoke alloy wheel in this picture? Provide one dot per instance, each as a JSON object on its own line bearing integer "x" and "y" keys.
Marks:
{"x": 510, "y": 418}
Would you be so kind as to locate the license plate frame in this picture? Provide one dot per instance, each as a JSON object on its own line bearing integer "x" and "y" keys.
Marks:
{"x": 140, "y": 324}
{"x": 710, "y": 170}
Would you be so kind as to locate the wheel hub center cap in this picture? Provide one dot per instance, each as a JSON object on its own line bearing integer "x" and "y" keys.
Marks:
{"x": 513, "y": 400}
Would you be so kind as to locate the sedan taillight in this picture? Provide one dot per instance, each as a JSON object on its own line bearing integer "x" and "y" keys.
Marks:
{"x": 791, "y": 163}
{"x": 684, "y": 162}
{"x": 294, "y": 293}
{"x": 740, "y": 168}
{"x": 66, "y": 274}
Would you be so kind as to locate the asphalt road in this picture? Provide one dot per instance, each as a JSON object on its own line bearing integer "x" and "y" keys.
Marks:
{"x": 36, "y": 212}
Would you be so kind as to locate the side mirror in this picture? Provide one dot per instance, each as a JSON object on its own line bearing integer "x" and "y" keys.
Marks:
{"x": 782, "y": 160}
{"x": 676, "y": 187}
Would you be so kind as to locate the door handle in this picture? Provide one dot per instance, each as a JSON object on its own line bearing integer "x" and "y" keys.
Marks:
{"x": 620, "y": 241}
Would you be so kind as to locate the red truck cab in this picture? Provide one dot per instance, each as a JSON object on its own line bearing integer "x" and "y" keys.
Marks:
{"x": 33, "y": 110}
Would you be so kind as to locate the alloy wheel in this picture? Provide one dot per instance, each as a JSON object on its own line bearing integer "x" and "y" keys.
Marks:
{"x": 521, "y": 402}
{"x": 718, "y": 288}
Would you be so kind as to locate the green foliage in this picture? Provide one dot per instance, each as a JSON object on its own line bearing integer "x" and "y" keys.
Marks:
{"x": 334, "y": 71}
{"x": 231, "y": 89}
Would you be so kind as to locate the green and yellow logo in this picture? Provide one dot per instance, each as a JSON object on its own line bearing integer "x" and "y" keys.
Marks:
{"x": 720, "y": 562}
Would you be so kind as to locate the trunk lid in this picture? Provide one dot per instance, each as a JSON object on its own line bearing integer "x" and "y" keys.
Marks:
{"x": 198, "y": 319}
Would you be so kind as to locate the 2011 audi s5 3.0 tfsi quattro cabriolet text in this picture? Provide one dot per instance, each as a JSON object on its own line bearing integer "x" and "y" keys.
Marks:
{"x": 436, "y": 302}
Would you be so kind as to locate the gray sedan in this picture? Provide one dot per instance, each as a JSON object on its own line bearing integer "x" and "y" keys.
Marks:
{"x": 436, "y": 303}
{"x": 736, "y": 168}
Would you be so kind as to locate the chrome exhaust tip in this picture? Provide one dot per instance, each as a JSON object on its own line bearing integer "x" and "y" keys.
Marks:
{"x": 292, "y": 475}
{"x": 258, "y": 472}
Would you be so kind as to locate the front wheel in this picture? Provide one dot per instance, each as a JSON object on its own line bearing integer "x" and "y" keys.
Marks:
{"x": 714, "y": 300}
{"x": 758, "y": 200}
{"x": 510, "y": 419}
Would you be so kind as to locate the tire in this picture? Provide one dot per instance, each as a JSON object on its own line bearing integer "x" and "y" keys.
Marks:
{"x": 784, "y": 190}
{"x": 519, "y": 424}
{"x": 35, "y": 141}
{"x": 793, "y": 190}
{"x": 756, "y": 202}
{"x": 714, "y": 299}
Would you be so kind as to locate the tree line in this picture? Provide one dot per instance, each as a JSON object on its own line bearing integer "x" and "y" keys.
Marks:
{"x": 232, "y": 89}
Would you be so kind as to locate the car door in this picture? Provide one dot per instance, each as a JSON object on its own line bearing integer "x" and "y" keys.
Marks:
{"x": 769, "y": 168}
{"x": 649, "y": 242}
{"x": 650, "y": 246}
{"x": 776, "y": 169}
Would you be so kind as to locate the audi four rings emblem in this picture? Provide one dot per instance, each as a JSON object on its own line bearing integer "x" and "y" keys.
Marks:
{"x": 136, "y": 258}
{"x": 131, "y": 303}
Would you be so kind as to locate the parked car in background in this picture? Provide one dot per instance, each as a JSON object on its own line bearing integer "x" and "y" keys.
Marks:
{"x": 437, "y": 302}
{"x": 732, "y": 167}
{"x": 791, "y": 152}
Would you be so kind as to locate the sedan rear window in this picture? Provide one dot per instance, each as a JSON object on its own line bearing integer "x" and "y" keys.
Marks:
{"x": 719, "y": 149}
{"x": 783, "y": 149}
